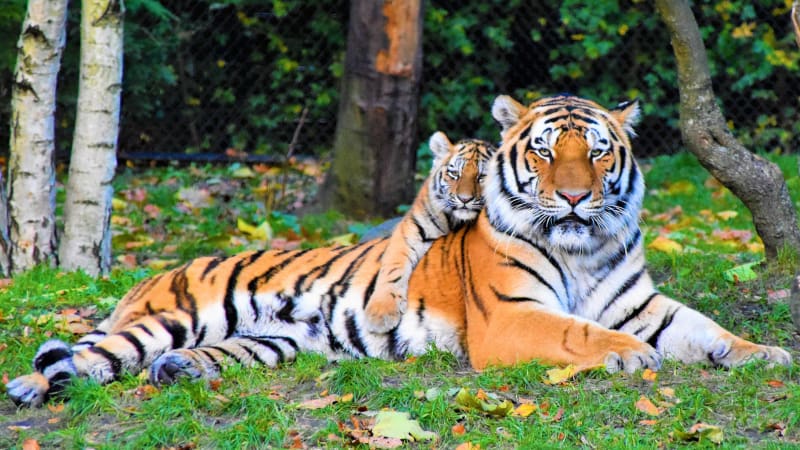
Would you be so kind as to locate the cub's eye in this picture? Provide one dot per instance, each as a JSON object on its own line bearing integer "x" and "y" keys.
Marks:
{"x": 596, "y": 152}
{"x": 544, "y": 153}
{"x": 452, "y": 174}
{"x": 481, "y": 177}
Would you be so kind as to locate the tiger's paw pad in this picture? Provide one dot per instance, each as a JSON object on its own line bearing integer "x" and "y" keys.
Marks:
{"x": 384, "y": 311}
{"x": 172, "y": 366}
{"x": 28, "y": 390}
{"x": 631, "y": 360}
{"x": 730, "y": 354}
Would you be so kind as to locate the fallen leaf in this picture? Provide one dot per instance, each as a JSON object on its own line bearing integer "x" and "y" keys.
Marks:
{"x": 743, "y": 236}
{"x": 318, "y": 403}
{"x": 648, "y": 422}
{"x": 396, "y": 424}
{"x": 382, "y": 442}
{"x": 685, "y": 187}
{"x": 30, "y": 444}
{"x": 649, "y": 375}
{"x": 346, "y": 398}
{"x": 215, "y": 384}
{"x": 665, "y": 245}
{"x": 646, "y": 406}
{"x": 558, "y": 416}
{"x": 775, "y": 383}
{"x": 491, "y": 406}
{"x": 53, "y": 420}
{"x": 742, "y": 272}
{"x": 468, "y": 446}
{"x": 525, "y": 410}
{"x": 667, "y": 392}
{"x": 560, "y": 375}
{"x": 727, "y": 215}
{"x": 458, "y": 429}
{"x": 262, "y": 232}
{"x": 55, "y": 409}
{"x": 779, "y": 294}
{"x": 701, "y": 432}
{"x": 343, "y": 239}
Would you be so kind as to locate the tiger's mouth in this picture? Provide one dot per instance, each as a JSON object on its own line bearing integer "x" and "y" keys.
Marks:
{"x": 572, "y": 218}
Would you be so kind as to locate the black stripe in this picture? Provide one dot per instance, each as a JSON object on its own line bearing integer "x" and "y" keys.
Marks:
{"x": 421, "y": 310}
{"x": 272, "y": 346}
{"x": 116, "y": 363}
{"x": 513, "y": 157}
{"x": 175, "y": 329}
{"x": 667, "y": 321}
{"x": 231, "y": 314}
{"x": 474, "y": 297}
{"x": 506, "y": 298}
{"x": 50, "y": 357}
{"x": 342, "y": 285}
{"x": 285, "y": 313}
{"x": 353, "y": 333}
{"x": 144, "y": 328}
{"x": 253, "y": 355}
{"x": 633, "y": 313}
{"x": 58, "y": 382}
{"x": 292, "y": 343}
{"x": 323, "y": 268}
{"x": 584, "y": 118}
{"x": 530, "y": 270}
{"x": 626, "y": 286}
{"x": 210, "y": 357}
{"x": 137, "y": 344}
{"x": 421, "y": 230}
{"x": 370, "y": 288}
{"x": 211, "y": 266}
{"x": 255, "y": 283}
{"x": 186, "y": 302}
{"x": 226, "y": 352}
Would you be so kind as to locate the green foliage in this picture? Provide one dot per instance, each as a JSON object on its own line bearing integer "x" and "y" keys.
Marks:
{"x": 607, "y": 51}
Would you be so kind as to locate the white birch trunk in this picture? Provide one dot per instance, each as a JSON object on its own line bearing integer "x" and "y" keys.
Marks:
{"x": 31, "y": 184}
{"x": 86, "y": 243}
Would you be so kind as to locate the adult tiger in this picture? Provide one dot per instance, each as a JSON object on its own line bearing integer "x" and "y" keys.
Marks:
{"x": 451, "y": 196}
{"x": 553, "y": 269}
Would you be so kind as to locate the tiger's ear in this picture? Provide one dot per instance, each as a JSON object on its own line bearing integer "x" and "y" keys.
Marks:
{"x": 440, "y": 145}
{"x": 627, "y": 114}
{"x": 507, "y": 111}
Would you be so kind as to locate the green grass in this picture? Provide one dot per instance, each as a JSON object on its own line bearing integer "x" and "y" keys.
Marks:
{"x": 755, "y": 406}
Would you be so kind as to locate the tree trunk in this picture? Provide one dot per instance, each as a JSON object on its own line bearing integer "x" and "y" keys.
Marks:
{"x": 31, "y": 184}
{"x": 86, "y": 243}
{"x": 5, "y": 241}
{"x": 376, "y": 131}
{"x": 757, "y": 182}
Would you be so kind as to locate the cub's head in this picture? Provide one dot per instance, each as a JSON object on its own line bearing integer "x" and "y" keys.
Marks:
{"x": 457, "y": 175}
{"x": 564, "y": 174}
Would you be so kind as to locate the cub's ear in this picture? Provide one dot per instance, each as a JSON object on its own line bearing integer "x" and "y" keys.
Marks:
{"x": 440, "y": 145}
{"x": 627, "y": 114}
{"x": 507, "y": 111}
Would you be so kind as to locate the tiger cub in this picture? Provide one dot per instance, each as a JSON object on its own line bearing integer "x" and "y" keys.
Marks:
{"x": 451, "y": 196}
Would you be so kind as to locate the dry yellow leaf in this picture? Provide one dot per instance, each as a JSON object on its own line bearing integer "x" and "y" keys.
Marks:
{"x": 646, "y": 406}
{"x": 525, "y": 410}
{"x": 649, "y": 375}
{"x": 557, "y": 375}
{"x": 666, "y": 245}
{"x": 727, "y": 215}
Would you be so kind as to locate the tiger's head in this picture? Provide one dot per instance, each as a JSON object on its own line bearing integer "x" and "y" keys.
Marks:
{"x": 457, "y": 175}
{"x": 564, "y": 174}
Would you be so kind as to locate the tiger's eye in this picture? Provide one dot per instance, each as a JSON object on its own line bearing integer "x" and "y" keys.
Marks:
{"x": 544, "y": 153}
{"x": 596, "y": 152}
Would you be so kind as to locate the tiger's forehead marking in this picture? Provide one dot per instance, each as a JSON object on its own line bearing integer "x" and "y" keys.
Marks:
{"x": 550, "y": 122}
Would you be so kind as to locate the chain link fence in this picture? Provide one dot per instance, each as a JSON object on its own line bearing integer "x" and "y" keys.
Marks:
{"x": 235, "y": 76}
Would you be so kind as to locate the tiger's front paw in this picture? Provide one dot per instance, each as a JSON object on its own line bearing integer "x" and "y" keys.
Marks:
{"x": 732, "y": 352}
{"x": 183, "y": 363}
{"x": 632, "y": 359}
{"x": 28, "y": 390}
{"x": 384, "y": 310}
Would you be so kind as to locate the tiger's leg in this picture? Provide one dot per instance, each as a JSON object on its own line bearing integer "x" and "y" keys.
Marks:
{"x": 683, "y": 333}
{"x": 206, "y": 362}
{"x": 520, "y": 331}
{"x": 98, "y": 356}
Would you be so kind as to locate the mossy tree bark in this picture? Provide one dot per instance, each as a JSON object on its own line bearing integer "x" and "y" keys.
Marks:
{"x": 31, "y": 184}
{"x": 376, "y": 131}
{"x": 86, "y": 243}
{"x": 757, "y": 182}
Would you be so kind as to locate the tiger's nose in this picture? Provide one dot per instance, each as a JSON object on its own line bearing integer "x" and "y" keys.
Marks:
{"x": 573, "y": 198}
{"x": 465, "y": 198}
